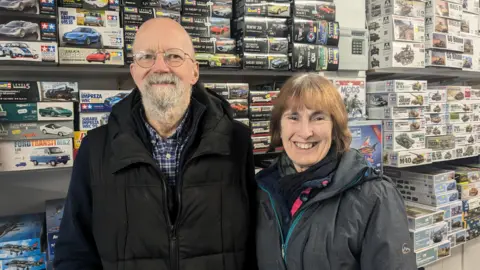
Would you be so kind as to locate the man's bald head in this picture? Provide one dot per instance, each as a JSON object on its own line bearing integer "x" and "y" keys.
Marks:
{"x": 160, "y": 34}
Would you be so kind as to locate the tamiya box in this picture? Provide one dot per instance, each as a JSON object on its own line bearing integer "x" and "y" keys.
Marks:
{"x": 51, "y": 111}
{"x": 427, "y": 188}
{"x": 318, "y": 10}
{"x": 471, "y": 207}
{"x": 433, "y": 200}
{"x": 475, "y": 95}
{"x": 260, "y": 143}
{"x": 260, "y": 27}
{"x": 21, "y": 236}
{"x": 396, "y": 86}
{"x": 420, "y": 218}
{"x": 397, "y": 99}
{"x": 263, "y": 97}
{"x": 206, "y": 26}
{"x": 473, "y": 228}
{"x": 458, "y": 237}
{"x": 404, "y": 125}
{"x": 465, "y": 139}
{"x": 436, "y": 130}
{"x": 90, "y": 121}
{"x": 314, "y": 58}
{"x": 367, "y": 138}
{"x": 442, "y": 25}
{"x": 454, "y": 118}
{"x": 436, "y": 119}
{"x": 30, "y": 7}
{"x": 83, "y": 56}
{"x": 429, "y": 236}
{"x": 460, "y": 128}
{"x": 463, "y": 174}
{"x": 395, "y": 113}
{"x": 262, "y": 45}
{"x": 433, "y": 253}
{"x": 27, "y": 28}
{"x": 444, "y": 41}
{"x": 54, "y": 214}
{"x": 445, "y": 142}
{"x": 450, "y": 210}
{"x": 470, "y": 6}
{"x": 437, "y": 95}
{"x": 422, "y": 174}
{"x": 437, "y": 108}
{"x": 36, "y": 130}
{"x": 409, "y": 158}
{"x": 90, "y": 29}
{"x": 100, "y": 100}
{"x": 266, "y": 61}
{"x": 32, "y": 263}
{"x": 352, "y": 92}
{"x": 444, "y": 9}
{"x": 218, "y": 60}
{"x": 443, "y": 155}
{"x": 397, "y": 28}
{"x": 19, "y": 91}
{"x": 438, "y": 58}
{"x": 468, "y": 190}
{"x": 213, "y": 8}
{"x": 457, "y": 93}
{"x": 35, "y": 154}
{"x": 313, "y": 32}
{"x": 214, "y": 45}
{"x": 18, "y": 112}
{"x": 240, "y": 107}
{"x": 469, "y": 24}
{"x": 397, "y": 54}
{"x": 25, "y": 52}
{"x": 260, "y": 112}
{"x": 466, "y": 151}
{"x": 260, "y": 127}
{"x": 381, "y": 8}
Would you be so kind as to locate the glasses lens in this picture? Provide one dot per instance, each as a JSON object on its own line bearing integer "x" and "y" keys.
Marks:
{"x": 145, "y": 60}
{"x": 174, "y": 57}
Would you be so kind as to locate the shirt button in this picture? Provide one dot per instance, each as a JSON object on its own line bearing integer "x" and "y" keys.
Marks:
{"x": 153, "y": 142}
{"x": 168, "y": 156}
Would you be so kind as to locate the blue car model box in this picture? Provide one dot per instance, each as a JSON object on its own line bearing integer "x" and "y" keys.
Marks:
{"x": 36, "y": 130}
{"x": 47, "y": 7}
{"x": 35, "y": 154}
{"x": 54, "y": 214}
{"x": 90, "y": 121}
{"x": 58, "y": 91}
{"x": 367, "y": 138}
{"x": 19, "y": 91}
{"x": 100, "y": 100}
{"x": 20, "y": 236}
{"x": 18, "y": 112}
{"x": 30, "y": 263}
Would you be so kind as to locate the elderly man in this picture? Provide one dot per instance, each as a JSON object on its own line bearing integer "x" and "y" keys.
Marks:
{"x": 168, "y": 183}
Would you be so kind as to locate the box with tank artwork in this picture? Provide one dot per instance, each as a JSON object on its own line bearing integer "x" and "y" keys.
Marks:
{"x": 100, "y": 100}
{"x": 436, "y": 130}
{"x": 428, "y": 175}
{"x": 397, "y": 99}
{"x": 469, "y": 24}
{"x": 440, "y": 58}
{"x": 398, "y": 141}
{"x": 420, "y": 218}
{"x": 444, "y": 41}
{"x": 35, "y": 154}
{"x": 396, "y": 86}
{"x": 397, "y": 54}
{"x": 404, "y": 125}
{"x": 395, "y": 112}
{"x": 432, "y": 200}
{"x": 445, "y": 9}
{"x": 427, "y": 188}
{"x": 367, "y": 138}
{"x": 429, "y": 236}
{"x": 443, "y": 155}
{"x": 397, "y": 28}
{"x": 409, "y": 158}
{"x": 381, "y": 8}
{"x": 21, "y": 236}
{"x": 437, "y": 24}
{"x": 433, "y": 253}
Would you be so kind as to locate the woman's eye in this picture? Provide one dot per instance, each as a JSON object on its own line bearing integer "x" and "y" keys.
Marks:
{"x": 319, "y": 118}
{"x": 292, "y": 117}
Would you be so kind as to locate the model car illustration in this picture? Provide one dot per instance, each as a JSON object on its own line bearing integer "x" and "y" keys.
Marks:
{"x": 93, "y": 19}
{"x": 239, "y": 106}
{"x": 225, "y": 47}
{"x": 323, "y": 9}
{"x": 277, "y": 9}
{"x": 18, "y": 5}
{"x": 21, "y": 164}
{"x": 49, "y": 155}
{"x": 277, "y": 29}
{"x": 220, "y": 60}
{"x": 98, "y": 56}
{"x": 55, "y": 112}
{"x": 278, "y": 46}
{"x": 404, "y": 140}
{"x": 110, "y": 101}
{"x": 60, "y": 92}
{"x": 56, "y": 129}
{"x": 374, "y": 37}
{"x": 222, "y": 10}
{"x": 279, "y": 63}
{"x": 96, "y": 3}
{"x": 169, "y": 3}
{"x": 18, "y": 29}
{"x": 374, "y": 50}
{"x": 19, "y": 50}
{"x": 219, "y": 30}
{"x": 378, "y": 101}
{"x": 83, "y": 36}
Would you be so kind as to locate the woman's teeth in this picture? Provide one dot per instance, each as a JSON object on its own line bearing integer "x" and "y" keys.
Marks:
{"x": 305, "y": 145}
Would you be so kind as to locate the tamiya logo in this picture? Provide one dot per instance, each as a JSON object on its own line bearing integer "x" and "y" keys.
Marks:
{"x": 48, "y": 49}
{"x": 48, "y": 26}
{"x": 113, "y": 2}
{"x": 50, "y": 2}
{"x": 112, "y": 18}
{"x": 86, "y": 106}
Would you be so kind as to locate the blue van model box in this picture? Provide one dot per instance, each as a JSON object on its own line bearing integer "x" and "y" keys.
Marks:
{"x": 30, "y": 263}
{"x": 35, "y": 154}
{"x": 100, "y": 100}
{"x": 20, "y": 236}
{"x": 18, "y": 112}
{"x": 367, "y": 138}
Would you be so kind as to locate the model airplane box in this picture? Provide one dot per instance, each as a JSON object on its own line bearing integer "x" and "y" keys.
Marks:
{"x": 100, "y": 100}
{"x": 20, "y": 236}
{"x": 51, "y": 111}
{"x": 397, "y": 54}
{"x": 31, "y": 263}
{"x": 31, "y": 51}
{"x": 36, "y": 130}
{"x": 19, "y": 91}
{"x": 17, "y": 27}
{"x": 89, "y": 28}
{"x": 82, "y": 56}
{"x": 367, "y": 138}
{"x": 47, "y": 7}
{"x": 353, "y": 95}
{"x": 18, "y": 112}
{"x": 58, "y": 91}
{"x": 90, "y": 121}
{"x": 35, "y": 154}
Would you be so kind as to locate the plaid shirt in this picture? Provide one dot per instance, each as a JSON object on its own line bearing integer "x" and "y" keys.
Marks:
{"x": 166, "y": 152}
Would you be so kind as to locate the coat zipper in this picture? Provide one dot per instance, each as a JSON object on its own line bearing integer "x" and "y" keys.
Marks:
{"x": 272, "y": 202}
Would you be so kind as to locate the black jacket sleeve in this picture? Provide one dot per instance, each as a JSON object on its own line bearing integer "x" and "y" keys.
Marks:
{"x": 252, "y": 193}
{"x": 387, "y": 243}
{"x": 75, "y": 248}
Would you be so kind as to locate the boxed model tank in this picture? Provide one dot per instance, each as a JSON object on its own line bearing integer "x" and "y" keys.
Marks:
{"x": 454, "y": 118}
{"x": 432, "y": 200}
{"x": 444, "y": 41}
{"x": 401, "y": 159}
{"x": 450, "y": 210}
{"x": 437, "y": 95}
{"x": 443, "y": 155}
{"x": 430, "y": 188}
{"x": 457, "y": 93}
{"x": 436, "y": 130}
{"x": 465, "y": 139}
{"x": 398, "y": 141}
{"x": 420, "y": 218}
{"x": 470, "y": 7}
{"x": 426, "y": 174}
{"x": 436, "y": 119}
{"x": 467, "y": 151}
{"x": 395, "y": 112}
{"x": 436, "y": 108}
{"x": 471, "y": 207}
{"x": 397, "y": 54}
{"x": 444, "y": 9}
{"x": 459, "y": 107}
{"x": 468, "y": 190}
{"x": 440, "y": 58}
{"x": 469, "y": 24}
{"x": 381, "y": 8}
{"x": 460, "y": 128}
{"x": 404, "y": 125}
{"x": 397, "y": 28}
{"x": 396, "y": 86}
{"x": 445, "y": 142}
{"x": 397, "y": 99}
{"x": 475, "y": 95}
{"x": 463, "y": 174}
{"x": 433, "y": 253}
{"x": 437, "y": 24}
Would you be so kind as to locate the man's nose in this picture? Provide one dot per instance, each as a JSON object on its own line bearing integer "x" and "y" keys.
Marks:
{"x": 160, "y": 66}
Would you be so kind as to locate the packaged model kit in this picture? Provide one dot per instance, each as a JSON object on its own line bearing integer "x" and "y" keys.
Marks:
{"x": 262, "y": 9}
{"x": 30, "y": 7}
{"x": 422, "y": 174}
{"x": 36, "y": 130}
{"x": 465, "y": 139}
{"x": 445, "y": 142}
{"x": 461, "y": 107}
{"x": 260, "y": 143}
{"x": 18, "y": 112}
{"x": 475, "y": 95}
{"x": 206, "y": 26}
{"x": 396, "y": 86}
{"x": 436, "y": 119}
{"x": 367, "y": 138}
{"x": 260, "y": 127}
{"x": 433, "y": 253}
{"x": 439, "y": 58}
{"x": 458, "y": 237}
{"x": 110, "y": 57}
{"x": 263, "y": 97}
{"x": 51, "y": 111}
{"x": 214, "y": 45}
{"x": 460, "y": 128}
{"x": 429, "y": 236}
{"x": 240, "y": 107}
{"x": 244, "y": 121}
{"x": 395, "y": 112}
{"x": 444, "y": 9}
{"x": 18, "y": 27}
{"x": 437, "y": 108}
{"x": 433, "y": 200}
{"x": 53, "y": 214}
{"x": 318, "y": 10}
{"x": 229, "y": 90}
{"x": 442, "y": 25}
{"x": 444, "y": 41}
{"x": 457, "y": 93}
{"x": 443, "y": 155}
{"x": 206, "y": 8}
{"x": 463, "y": 174}
{"x": 352, "y": 92}
{"x": 313, "y": 32}
{"x": 397, "y": 99}
{"x": 100, "y": 100}
{"x": 90, "y": 121}
{"x": 58, "y": 91}
{"x": 19, "y": 91}
{"x": 397, "y": 54}
{"x": 35, "y": 154}
{"x": 260, "y": 27}
{"x": 260, "y": 112}
{"x": 262, "y": 45}
{"x": 470, "y": 6}
{"x": 436, "y": 130}
{"x": 98, "y": 4}
{"x": 36, "y": 262}
{"x": 450, "y": 210}
{"x": 266, "y": 61}
{"x": 420, "y": 218}
{"x": 398, "y": 141}
{"x": 31, "y": 51}
{"x": 314, "y": 58}
{"x": 454, "y": 118}
{"x": 427, "y": 188}
{"x": 401, "y": 159}
{"x": 469, "y": 24}
{"x": 466, "y": 151}
{"x": 471, "y": 207}
{"x": 397, "y": 28}
{"x": 467, "y": 190}
{"x": 404, "y": 125}
{"x": 381, "y": 8}
{"x": 21, "y": 236}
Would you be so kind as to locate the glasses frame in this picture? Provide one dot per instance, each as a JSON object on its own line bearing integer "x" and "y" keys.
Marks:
{"x": 186, "y": 55}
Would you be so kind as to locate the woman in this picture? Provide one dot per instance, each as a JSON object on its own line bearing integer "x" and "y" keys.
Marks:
{"x": 321, "y": 207}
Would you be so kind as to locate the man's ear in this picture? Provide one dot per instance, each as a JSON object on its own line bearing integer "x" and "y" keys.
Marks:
{"x": 195, "y": 73}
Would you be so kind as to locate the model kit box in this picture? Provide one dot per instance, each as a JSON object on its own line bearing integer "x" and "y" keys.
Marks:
{"x": 35, "y": 130}
{"x": 381, "y": 8}
{"x": 396, "y": 86}
{"x": 32, "y": 51}
{"x": 436, "y": 119}
{"x": 468, "y": 190}
{"x": 397, "y": 28}
{"x": 445, "y": 142}
{"x": 314, "y": 58}
{"x": 58, "y": 91}
{"x": 133, "y": 17}
{"x": 457, "y": 93}
{"x": 206, "y": 8}
{"x": 475, "y": 95}
{"x": 32, "y": 263}
{"x": 427, "y": 188}
{"x": 266, "y": 61}
{"x": 471, "y": 207}
{"x": 450, "y": 210}
{"x": 401, "y": 159}
{"x": 352, "y": 92}
{"x": 422, "y": 174}
{"x": 18, "y": 112}
{"x": 14, "y": 27}
{"x": 51, "y": 111}
{"x": 260, "y": 127}
{"x": 465, "y": 139}
{"x": 90, "y": 121}
{"x": 404, "y": 125}
{"x": 443, "y": 155}
{"x": 260, "y": 143}
{"x": 473, "y": 228}
{"x": 454, "y": 118}
{"x": 397, "y": 99}
{"x": 263, "y": 97}
{"x": 469, "y": 24}
{"x": 229, "y": 90}
{"x": 429, "y": 236}
{"x": 260, "y": 27}
{"x": 30, "y": 7}
{"x": 457, "y": 238}
{"x": 442, "y": 25}
{"x": 262, "y": 45}
{"x": 436, "y": 130}
{"x": 19, "y": 91}
{"x": 90, "y": 29}
{"x": 436, "y": 108}
{"x": 97, "y": 4}
{"x": 318, "y": 10}
{"x": 260, "y": 112}
{"x": 21, "y": 236}
{"x": 84, "y": 56}
{"x": 367, "y": 138}
{"x": 463, "y": 174}
{"x": 313, "y": 32}
{"x": 444, "y": 41}
{"x": 466, "y": 151}
{"x": 100, "y": 100}
{"x": 218, "y": 60}
{"x": 240, "y": 107}
{"x": 432, "y": 254}
{"x": 433, "y": 200}
{"x": 395, "y": 112}
{"x": 460, "y": 128}
{"x": 262, "y": 9}
{"x": 437, "y": 95}
{"x": 420, "y": 218}
{"x": 398, "y": 54}
{"x": 206, "y": 26}
{"x": 399, "y": 141}
{"x": 214, "y": 45}
{"x": 54, "y": 214}
{"x": 444, "y": 9}
{"x": 471, "y": 6}
{"x": 438, "y": 58}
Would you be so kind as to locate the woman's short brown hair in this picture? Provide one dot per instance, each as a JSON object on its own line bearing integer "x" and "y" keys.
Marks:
{"x": 314, "y": 92}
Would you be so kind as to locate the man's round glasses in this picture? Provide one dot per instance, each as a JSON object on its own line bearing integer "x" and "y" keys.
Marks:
{"x": 172, "y": 57}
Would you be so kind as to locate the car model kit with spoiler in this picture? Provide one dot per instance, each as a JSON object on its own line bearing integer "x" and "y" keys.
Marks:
{"x": 229, "y": 90}
{"x": 214, "y": 45}
{"x": 319, "y": 32}
{"x": 29, "y": 6}
{"x": 206, "y": 26}
{"x": 213, "y": 8}
{"x": 31, "y": 51}
{"x": 218, "y": 60}
{"x": 262, "y": 45}
{"x": 36, "y": 130}
{"x": 83, "y": 56}
{"x": 318, "y": 10}
{"x": 52, "y": 111}
{"x": 100, "y": 100}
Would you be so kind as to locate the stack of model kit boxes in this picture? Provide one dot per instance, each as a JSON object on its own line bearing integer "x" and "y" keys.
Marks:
{"x": 90, "y": 33}
{"x": 401, "y": 104}
{"x": 443, "y": 42}
{"x": 469, "y": 32}
{"x": 36, "y": 135}
{"x": 397, "y": 33}
{"x": 433, "y": 209}
{"x": 54, "y": 214}
{"x": 21, "y": 242}
{"x": 471, "y": 214}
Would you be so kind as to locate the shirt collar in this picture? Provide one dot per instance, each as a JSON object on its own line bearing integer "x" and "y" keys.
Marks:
{"x": 179, "y": 131}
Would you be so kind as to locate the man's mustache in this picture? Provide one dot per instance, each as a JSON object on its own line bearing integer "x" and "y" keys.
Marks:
{"x": 166, "y": 78}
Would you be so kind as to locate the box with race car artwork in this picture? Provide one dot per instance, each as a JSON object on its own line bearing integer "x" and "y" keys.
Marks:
{"x": 90, "y": 121}
{"x": 35, "y": 154}
{"x": 21, "y": 27}
{"x": 28, "y": 52}
{"x": 51, "y": 111}
{"x": 36, "y": 130}
{"x": 75, "y": 56}
{"x": 90, "y": 4}
{"x": 100, "y": 100}
{"x": 58, "y": 91}
{"x": 47, "y": 7}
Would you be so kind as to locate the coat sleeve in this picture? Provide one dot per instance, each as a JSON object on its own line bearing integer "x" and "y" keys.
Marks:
{"x": 252, "y": 195}
{"x": 75, "y": 248}
{"x": 386, "y": 243}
